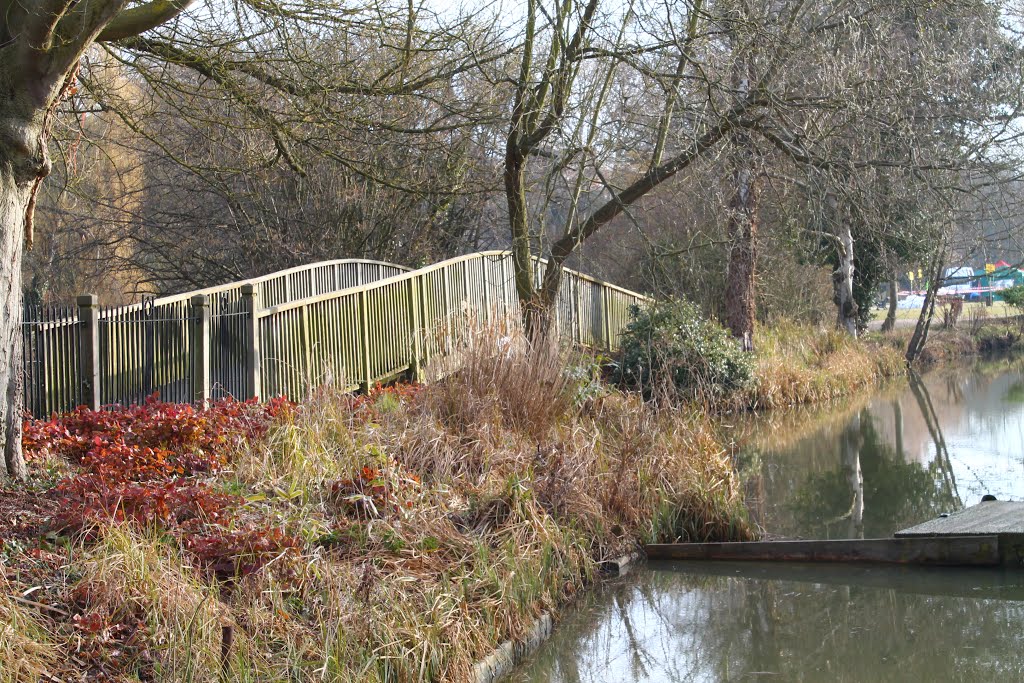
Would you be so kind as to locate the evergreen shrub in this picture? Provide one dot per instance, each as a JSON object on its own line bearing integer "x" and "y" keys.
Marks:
{"x": 671, "y": 348}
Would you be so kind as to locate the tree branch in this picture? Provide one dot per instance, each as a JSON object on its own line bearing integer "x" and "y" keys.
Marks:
{"x": 132, "y": 22}
{"x": 576, "y": 235}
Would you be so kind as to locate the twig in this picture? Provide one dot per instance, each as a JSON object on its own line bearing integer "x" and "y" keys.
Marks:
{"x": 40, "y": 605}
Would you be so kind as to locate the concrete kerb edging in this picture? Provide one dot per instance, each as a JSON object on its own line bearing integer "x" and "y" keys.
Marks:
{"x": 508, "y": 654}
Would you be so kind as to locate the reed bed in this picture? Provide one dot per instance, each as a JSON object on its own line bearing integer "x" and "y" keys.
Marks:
{"x": 432, "y": 522}
{"x": 799, "y": 364}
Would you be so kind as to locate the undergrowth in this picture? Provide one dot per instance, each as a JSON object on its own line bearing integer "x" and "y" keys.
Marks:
{"x": 396, "y": 536}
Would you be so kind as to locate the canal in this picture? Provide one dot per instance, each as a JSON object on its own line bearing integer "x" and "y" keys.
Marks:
{"x": 864, "y": 468}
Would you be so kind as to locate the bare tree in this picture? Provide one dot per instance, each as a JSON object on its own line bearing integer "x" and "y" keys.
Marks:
{"x": 284, "y": 71}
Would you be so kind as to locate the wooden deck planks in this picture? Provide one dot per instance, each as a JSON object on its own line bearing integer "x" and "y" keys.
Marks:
{"x": 984, "y": 519}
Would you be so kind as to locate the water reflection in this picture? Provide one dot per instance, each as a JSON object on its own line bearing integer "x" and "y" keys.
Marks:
{"x": 675, "y": 622}
{"x": 860, "y": 469}
{"x": 927, "y": 446}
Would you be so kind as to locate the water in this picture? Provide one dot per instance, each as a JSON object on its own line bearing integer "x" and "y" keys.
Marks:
{"x": 673, "y": 622}
{"x": 861, "y": 469}
{"x": 902, "y": 456}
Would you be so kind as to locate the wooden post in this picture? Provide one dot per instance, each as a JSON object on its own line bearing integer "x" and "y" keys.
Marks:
{"x": 605, "y": 320}
{"x": 364, "y": 335}
{"x": 253, "y": 359}
{"x": 199, "y": 334}
{"x": 89, "y": 349}
{"x": 415, "y": 367}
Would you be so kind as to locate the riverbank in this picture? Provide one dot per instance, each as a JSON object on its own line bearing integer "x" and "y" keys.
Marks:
{"x": 968, "y": 338}
{"x": 799, "y": 364}
{"x": 394, "y": 537}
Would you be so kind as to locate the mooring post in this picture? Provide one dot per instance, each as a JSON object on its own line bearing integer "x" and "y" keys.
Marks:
{"x": 89, "y": 349}
{"x": 199, "y": 328}
{"x": 253, "y": 360}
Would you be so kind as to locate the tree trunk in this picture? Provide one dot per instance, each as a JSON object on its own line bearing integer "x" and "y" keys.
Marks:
{"x": 23, "y": 164}
{"x": 842, "y": 284}
{"x": 739, "y": 288}
{"x": 519, "y": 224}
{"x": 14, "y": 198}
{"x": 924, "y": 320}
{"x": 740, "y": 298}
{"x": 890, "y": 316}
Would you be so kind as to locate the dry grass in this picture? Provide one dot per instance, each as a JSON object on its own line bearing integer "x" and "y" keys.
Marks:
{"x": 503, "y": 379}
{"x": 799, "y": 364}
{"x": 981, "y": 334}
{"x": 130, "y": 577}
{"x": 27, "y": 653}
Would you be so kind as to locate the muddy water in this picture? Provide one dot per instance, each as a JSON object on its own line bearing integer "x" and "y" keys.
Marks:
{"x": 860, "y": 469}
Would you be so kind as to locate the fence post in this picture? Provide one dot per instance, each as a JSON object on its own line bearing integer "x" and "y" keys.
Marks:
{"x": 415, "y": 367}
{"x": 488, "y": 313}
{"x": 199, "y": 333}
{"x": 307, "y": 348}
{"x": 604, "y": 316}
{"x": 364, "y": 335}
{"x": 253, "y": 359}
{"x": 577, "y": 318}
{"x": 89, "y": 349}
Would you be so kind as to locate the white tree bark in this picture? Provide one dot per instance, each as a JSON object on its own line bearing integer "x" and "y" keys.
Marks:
{"x": 851, "y": 444}
{"x": 842, "y": 283}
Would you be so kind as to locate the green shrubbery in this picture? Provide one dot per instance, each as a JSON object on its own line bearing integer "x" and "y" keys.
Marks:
{"x": 1014, "y": 296}
{"x": 670, "y": 347}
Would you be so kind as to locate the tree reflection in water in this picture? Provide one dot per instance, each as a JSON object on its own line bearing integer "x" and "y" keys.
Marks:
{"x": 675, "y": 622}
{"x": 872, "y": 491}
{"x": 871, "y": 488}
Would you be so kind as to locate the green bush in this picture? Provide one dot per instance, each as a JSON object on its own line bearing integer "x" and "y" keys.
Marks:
{"x": 670, "y": 347}
{"x": 1014, "y": 296}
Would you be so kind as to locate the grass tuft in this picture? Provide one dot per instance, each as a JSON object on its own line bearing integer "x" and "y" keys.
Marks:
{"x": 27, "y": 652}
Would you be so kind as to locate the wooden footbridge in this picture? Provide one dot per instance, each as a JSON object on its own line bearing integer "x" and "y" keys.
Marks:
{"x": 990, "y": 534}
{"x": 353, "y": 322}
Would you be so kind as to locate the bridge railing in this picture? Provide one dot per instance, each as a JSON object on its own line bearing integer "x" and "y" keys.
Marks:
{"x": 136, "y": 350}
{"x": 350, "y": 322}
{"x": 376, "y": 332}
